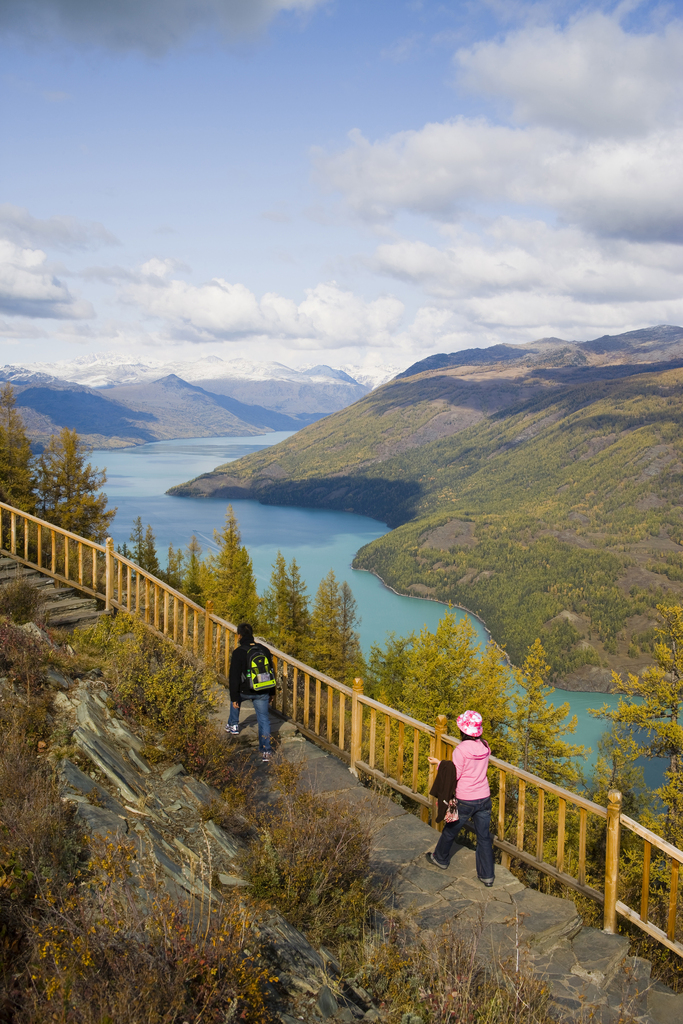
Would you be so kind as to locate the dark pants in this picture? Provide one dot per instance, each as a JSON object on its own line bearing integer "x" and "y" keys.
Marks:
{"x": 479, "y": 813}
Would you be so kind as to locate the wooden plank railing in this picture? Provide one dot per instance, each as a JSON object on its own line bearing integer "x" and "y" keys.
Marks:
{"x": 542, "y": 824}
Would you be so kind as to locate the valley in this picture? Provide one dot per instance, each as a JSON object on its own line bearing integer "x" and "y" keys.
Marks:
{"x": 543, "y": 493}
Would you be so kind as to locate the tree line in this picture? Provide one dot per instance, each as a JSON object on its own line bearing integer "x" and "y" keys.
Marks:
{"x": 323, "y": 634}
{"x": 58, "y": 485}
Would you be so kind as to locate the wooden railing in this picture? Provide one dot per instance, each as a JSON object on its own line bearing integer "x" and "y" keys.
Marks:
{"x": 544, "y": 825}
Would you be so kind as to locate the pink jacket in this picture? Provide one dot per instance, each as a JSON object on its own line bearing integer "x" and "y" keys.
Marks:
{"x": 471, "y": 760}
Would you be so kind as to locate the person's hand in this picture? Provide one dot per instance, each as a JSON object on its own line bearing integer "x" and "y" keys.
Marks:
{"x": 235, "y": 704}
{"x": 434, "y": 760}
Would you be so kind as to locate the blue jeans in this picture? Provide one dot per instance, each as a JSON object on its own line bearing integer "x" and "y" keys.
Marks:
{"x": 234, "y": 717}
{"x": 260, "y": 702}
{"x": 479, "y": 813}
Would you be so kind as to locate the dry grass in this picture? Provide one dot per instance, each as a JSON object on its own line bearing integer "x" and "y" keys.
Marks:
{"x": 20, "y": 600}
{"x": 441, "y": 980}
{"x": 311, "y": 859}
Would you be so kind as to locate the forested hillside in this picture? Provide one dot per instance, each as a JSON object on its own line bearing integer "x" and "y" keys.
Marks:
{"x": 546, "y": 500}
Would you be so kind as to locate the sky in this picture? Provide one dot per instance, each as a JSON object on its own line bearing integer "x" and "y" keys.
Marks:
{"x": 335, "y": 181}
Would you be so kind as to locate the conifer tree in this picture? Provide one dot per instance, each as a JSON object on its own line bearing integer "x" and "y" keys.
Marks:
{"x": 192, "y": 579}
{"x": 349, "y": 637}
{"x": 174, "y": 572}
{"x": 17, "y": 480}
{"x": 335, "y": 643}
{"x": 616, "y": 768}
{"x": 387, "y": 669}
{"x": 446, "y": 673}
{"x": 144, "y": 551}
{"x": 284, "y": 609}
{"x": 536, "y": 726}
{"x": 69, "y": 488}
{"x": 653, "y": 702}
{"x": 228, "y": 578}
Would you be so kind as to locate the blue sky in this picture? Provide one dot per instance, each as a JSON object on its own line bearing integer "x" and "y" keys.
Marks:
{"x": 339, "y": 182}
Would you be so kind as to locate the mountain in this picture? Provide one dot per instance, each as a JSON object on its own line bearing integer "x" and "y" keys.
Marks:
{"x": 186, "y": 407}
{"x": 652, "y": 344}
{"x": 134, "y": 414}
{"x": 545, "y": 495}
{"x": 301, "y": 393}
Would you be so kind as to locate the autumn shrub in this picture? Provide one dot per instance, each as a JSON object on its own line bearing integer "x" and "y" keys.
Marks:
{"x": 21, "y": 656}
{"x": 207, "y": 751}
{"x": 158, "y": 686}
{"x": 39, "y": 841}
{"x": 20, "y": 600}
{"x": 120, "y": 949}
{"x": 311, "y": 859}
{"x": 439, "y": 979}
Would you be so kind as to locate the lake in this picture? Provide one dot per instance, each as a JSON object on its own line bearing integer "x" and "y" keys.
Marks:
{"x": 319, "y": 540}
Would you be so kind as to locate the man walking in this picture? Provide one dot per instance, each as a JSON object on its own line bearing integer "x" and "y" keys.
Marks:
{"x": 251, "y": 677}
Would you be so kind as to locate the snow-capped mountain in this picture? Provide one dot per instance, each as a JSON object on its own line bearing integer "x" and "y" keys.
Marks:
{"x": 313, "y": 390}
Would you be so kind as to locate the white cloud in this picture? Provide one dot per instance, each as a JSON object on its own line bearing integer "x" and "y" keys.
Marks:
{"x": 59, "y": 232}
{"x": 525, "y": 274}
{"x": 592, "y": 77}
{"x": 29, "y": 288}
{"x": 153, "y": 26}
{"x": 629, "y": 187}
{"x": 596, "y": 137}
{"x": 220, "y": 310}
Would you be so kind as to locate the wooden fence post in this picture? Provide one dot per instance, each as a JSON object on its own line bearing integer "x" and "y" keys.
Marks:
{"x": 356, "y": 725}
{"x": 612, "y": 860}
{"x": 440, "y": 727}
{"x": 108, "y": 571}
{"x": 284, "y": 682}
{"x": 208, "y": 632}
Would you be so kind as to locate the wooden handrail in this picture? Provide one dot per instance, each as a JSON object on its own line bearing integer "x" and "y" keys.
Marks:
{"x": 332, "y": 714}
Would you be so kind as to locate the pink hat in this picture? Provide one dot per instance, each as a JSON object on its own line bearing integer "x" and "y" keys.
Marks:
{"x": 470, "y": 722}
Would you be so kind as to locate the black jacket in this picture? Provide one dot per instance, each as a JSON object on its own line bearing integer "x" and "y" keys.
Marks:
{"x": 238, "y": 668}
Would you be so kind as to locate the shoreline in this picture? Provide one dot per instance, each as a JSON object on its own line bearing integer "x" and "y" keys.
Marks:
{"x": 434, "y": 600}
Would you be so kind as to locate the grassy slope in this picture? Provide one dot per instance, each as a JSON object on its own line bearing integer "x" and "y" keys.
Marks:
{"x": 575, "y": 494}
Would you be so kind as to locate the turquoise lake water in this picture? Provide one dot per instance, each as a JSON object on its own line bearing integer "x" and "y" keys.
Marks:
{"x": 319, "y": 540}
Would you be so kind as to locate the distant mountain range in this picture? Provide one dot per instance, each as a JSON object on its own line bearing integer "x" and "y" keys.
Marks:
{"x": 115, "y": 404}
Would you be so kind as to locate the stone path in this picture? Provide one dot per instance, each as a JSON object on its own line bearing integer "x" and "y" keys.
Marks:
{"x": 63, "y": 607}
{"x": 590, "y": 974}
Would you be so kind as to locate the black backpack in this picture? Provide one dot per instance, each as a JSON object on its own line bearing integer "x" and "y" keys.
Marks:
{"x": 259, "y": 674}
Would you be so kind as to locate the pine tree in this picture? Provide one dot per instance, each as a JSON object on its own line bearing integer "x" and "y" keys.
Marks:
{"x": 335, "y": 645}
{"x": 387, "y": 669}
{"x": 351, "y": 657}
{"x": 446, "y": 673}
{"x": 144, "y": 552}
{"x": 284, "y": 609}
{"x": 536, "y": 726}
{"x": 69, "y": 489}
{"x": 228, "y": 578}
{"x": 193, "y": 580}
{"x": 616, "y": 768}
{"x": 17, "y": 481}
{"x": 175, "y": 568}
{"x": 653, "y": 702}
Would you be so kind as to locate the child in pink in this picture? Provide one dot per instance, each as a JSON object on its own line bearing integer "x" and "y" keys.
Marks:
{"x": 471, "y": 759}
